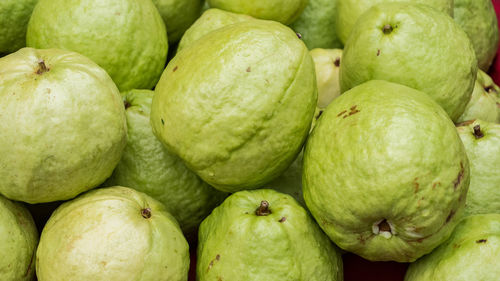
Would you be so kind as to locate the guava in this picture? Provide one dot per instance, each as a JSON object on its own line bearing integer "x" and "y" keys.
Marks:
{"x": 178, "y": 15}
{"x": 349, "y": 11}
{"x": 210, "y": 20}
{"x": 471, "y": 253}
{"x": 125, "y": 37}
{"x": 234, "y": 116}
{"x": 113, "y": 233}
{"x": 264, "y": 235}
{"x": 479, "y": 20}
{"x": 148, "y": 167}
{"x": 482, "y": 144}
{"x": 18, "y": 241}
{"x": 413, "y": 45}
{"x": 316, "y": 24}
{"x": 14, "y": 17}
{"x": 290, "y": 181}
{"x": 284, "y": 11}
{"x": 62, "y": 122}
{"x": 484, "y": 103}
{"x": 327, "y": 65}
{"x": 385, "y": 173}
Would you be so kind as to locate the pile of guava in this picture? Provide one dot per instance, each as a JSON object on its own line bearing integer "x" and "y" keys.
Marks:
{"x": 235, "y": 140}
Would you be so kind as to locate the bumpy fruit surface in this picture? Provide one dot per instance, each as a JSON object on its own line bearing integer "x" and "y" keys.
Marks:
{"x": 14, "y": 17}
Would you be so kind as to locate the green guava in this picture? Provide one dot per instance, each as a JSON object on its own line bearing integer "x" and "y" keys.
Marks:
{"x": 62, "y": 122}
{"x": 327, "y": 65}
{"x": 125, "y": 37}
{"x": 385, "y": 173}
{"x": 413, "y": 45}
{"x": 264, "y": 235}
{"x": 148, "y": 167}
{"x": 482, "y": 144}
{"x": 484, "y": 103}
{"x": 14, "y": 17}
{"x": 284, "y": 11}
{"x": 113, "y": 233}
{"x": 209, "y": 21}
{"x": 316, "y": 24}
{"x": 178, "y": 15}
{"x": 471, "y": 253}
{"x": 18, "y": 241}
{"x": 290, "y": 181}
{"x": 234, "y": 116}
{"x": 349, "y": 11}
{"x": 479, "y": 20}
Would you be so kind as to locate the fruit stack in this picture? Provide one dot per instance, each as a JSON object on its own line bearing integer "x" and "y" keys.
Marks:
{"x": 248, "y": 140}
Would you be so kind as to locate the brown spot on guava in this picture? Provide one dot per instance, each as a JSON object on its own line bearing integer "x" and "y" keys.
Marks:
{"x": 162, "y": 122}
{"x": 263, "y": 209}
{"x": 420, "y": 240}
{"x": 459, "y": 176}
{"x": 175, "y": 68}
{"x": 435, "y": 184}
{"x": 456, "y": 246}
{"x": 481, "y": 241}
{"x": 249, "y": 69}
{"x": 384, "y": 226}
{"x": 353, "y": 110}
{"x": 299, "y": 35}
{"x": 42, "y": 67}
{"x": 341, "y": 113}
{"x": 416, "y": 184}
{"x": 336, "y": 62}
{"x": 448, "y": 218}
{"x": 477, "y": 132}
{"x": 378, "y": 52}
{"x": 211, "y": 264}
{"x": 319, "y": 114}
{"x": 387, "y": 29}
{"x": 283, "y": 219}
{"x": 146, "y": 213}
{"x": 126, "y": 104}
{"x": 465, "y": 123}
{"x": 498, "y": 104}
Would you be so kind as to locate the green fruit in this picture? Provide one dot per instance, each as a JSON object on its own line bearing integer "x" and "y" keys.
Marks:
{"x": 349, "y": 11}
{"x": 290, "y": 181}
{"x": 413, "y": 45}
{"x": 385, "y": 173}
{"x": 479, "y": 20}
{"x": 316, "y": 24}
{"x": 234, "y": 116}
{"x": 327, "y": 65}
{"x": 284, "y": 11}
{"x": 148, "y": 167}
{"x": 14, "y": 17}
{"x": 113, "y": 233}
{"x": 211, "y": 20}
{"x": 178, "y": 15}
{"x": 18, "y": 241}
{"x": 264, "y": 235}
{"x": 125, "y": 37}
{"x": 62, "y": 122}
{"x": 482, "y": 144}
{"x": 484, "y": 103}
{"x": 471, "y": 253}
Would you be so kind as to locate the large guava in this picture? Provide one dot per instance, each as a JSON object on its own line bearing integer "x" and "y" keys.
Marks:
{"x": 229, "y": 111}
{"x": 62, "y": 122}
{"x": 413, "y": 45}
{"x": 148, "y": 167}
{"x": 263, "y": 235}
{"x": 178, "y": 15}
{"x": 14, "y": 17}
{"x": 18, "y": 242}
{"x": 125, "y": 37}
{"x": 482, "y": 144}
{"x": 113, "y": 233}
{"x": 471, "y": 253}
{"x": 385, "y": 173}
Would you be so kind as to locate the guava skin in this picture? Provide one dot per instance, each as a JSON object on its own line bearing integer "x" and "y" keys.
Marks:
{"x": 234, "y": 117}
{"x": 413, "y": 45}
{"x": 148, "y": 167}
{"x": 18, "y": 241}
{"x": 482, "y": 144}
{"x": 385, "y": 173}
{"x": 349, "y": 11}
{"x": 178, "y": 15}
{"x": 479, "y": 20}
{"x": 127, "y": 38}
{"x": 62, "y": 122}
{"x": 283, "y": 11}
{"x": 14, "y": 17}
{"x": 327, "y": 64}
{"x": 113, "y": 233}
{"x": 471, "y": 253}
{"x": 290, "y": 181}
{"x": 264, "y": 235}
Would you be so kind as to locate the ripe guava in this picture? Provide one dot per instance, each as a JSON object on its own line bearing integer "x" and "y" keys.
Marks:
{"x": 263, "y": 235}
{"x": 113, "y": 233}
{"x": 385, "y": 173}
{"x": 62, "y": 122}
{"x": 229, "y": 111}
{"x": 125, "y": 37}
{"x": 18, "y": 241}
{"x": 413, "y": 45}
{"x": 178, "y": 15}
{"x": 14, "y": 17}
{"x": 327, "y": 65}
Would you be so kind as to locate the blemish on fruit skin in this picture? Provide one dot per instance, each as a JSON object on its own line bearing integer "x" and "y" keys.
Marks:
{"x": 211, "y": 264}
{"x": 126, "y": 104}
{"x": 336, "y": 62}
{"x": 459, "y": 176}
{"x": 378, "y": 52}
{"x": 489, "y": 89}
{"x": 477, "y": 132}
{"x": 146, "y": 213}
{"x": 283, "y": 219}
{"x": 352, "y": 111}
{"x": 416, "y": 184}
{"x": 162, "y": 122}
{"x": 387, "y": 29}
{"x": 481, "y": 241}
{"x": 175, "y": 68}
{"x": 456, "y": 246}
{"x": 341, "y": 113}
{"x": 435, "y": 184}
{"x": 452, "y": 213}
{"x": 299, "y": 35}
{"x": 249, "y": 69}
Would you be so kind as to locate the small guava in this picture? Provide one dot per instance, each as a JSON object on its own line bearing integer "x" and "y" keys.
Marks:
{"x": 327, "y": 65}
{"x": 113, "y": 233}
{"x": 14, "y": 17}
{"x": 178, "y": 15}
{"x": 263, "y": 235}
{"x": 385, "y": 173}
{"x": 18, "y": 242}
